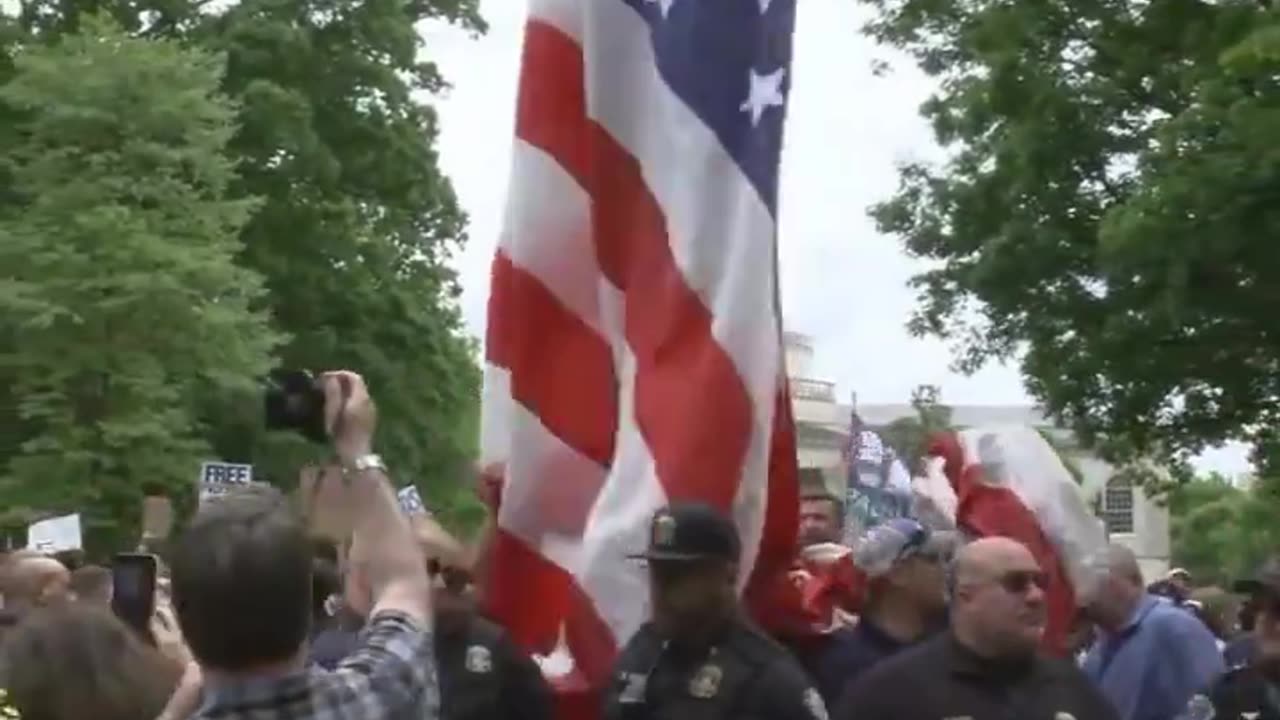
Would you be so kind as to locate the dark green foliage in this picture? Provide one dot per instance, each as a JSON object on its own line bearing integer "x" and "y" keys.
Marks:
{"x": 337, "y": 227}
{"x": 1109, "y": 210}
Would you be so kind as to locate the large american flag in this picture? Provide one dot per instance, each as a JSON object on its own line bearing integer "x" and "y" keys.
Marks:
{"x": 633, "y": 353}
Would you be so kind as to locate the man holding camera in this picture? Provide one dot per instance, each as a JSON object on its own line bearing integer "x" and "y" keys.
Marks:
{"x": 242, "y": 592}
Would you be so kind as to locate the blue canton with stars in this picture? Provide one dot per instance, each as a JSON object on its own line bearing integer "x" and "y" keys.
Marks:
{"x": 730, "y": 61}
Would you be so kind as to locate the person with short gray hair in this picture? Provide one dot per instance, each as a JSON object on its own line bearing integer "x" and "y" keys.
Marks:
{"x": 1150, "y": 656}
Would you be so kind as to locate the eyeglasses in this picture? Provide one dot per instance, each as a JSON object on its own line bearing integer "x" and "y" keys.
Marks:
{"x": 1018, "y": 582}
{"x": 455, "y": 579}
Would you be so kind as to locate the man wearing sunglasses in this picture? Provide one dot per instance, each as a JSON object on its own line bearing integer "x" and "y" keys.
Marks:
{"x": 986, "y": 665}
{"x": 1253, "y": 689}
{"x": 904, "y": 566}
{"x": 698, "y": 658}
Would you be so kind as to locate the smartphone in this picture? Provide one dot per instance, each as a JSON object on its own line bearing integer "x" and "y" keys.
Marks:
{"x": 133, "y": 590}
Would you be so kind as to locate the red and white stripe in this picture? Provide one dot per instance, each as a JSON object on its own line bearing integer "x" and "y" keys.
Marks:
{"x": 633, "y": 353}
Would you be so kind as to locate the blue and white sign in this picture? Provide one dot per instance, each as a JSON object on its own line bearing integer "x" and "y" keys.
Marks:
{"x": 411, "y": 501}
{"x": 878, "y": 486}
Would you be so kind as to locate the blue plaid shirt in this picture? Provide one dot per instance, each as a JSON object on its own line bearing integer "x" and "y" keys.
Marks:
{"x": 390, "y": 676}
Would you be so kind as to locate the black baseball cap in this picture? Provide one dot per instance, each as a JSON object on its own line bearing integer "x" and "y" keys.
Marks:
{"x": 1266, "y": 579}
{"x": 691, "y": 531}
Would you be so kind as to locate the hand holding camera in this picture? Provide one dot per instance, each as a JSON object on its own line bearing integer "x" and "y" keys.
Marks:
{"x": 334, "y": 407}
{"x": 350, "y": 417}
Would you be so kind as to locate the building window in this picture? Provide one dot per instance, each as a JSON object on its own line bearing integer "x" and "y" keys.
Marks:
{"x": 1117, "y": 506}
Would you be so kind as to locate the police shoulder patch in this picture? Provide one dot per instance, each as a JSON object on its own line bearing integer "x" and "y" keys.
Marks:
{"x": 478, "y": 659}
{"x": 813, "y": 702}
{"x": 1200, "y": 707}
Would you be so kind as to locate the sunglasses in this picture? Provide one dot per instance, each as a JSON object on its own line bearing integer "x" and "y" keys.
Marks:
{"x": 1018, "y": 582}
{"x": 455, "y": 579}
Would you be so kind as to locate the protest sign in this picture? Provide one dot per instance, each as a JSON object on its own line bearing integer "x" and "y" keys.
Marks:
{"x": 411, "y": 501}
{"x": 878, "y": 485}
{"x": 55, "y": 535}
{"x": 216, "y": 478}
{"x": 157, "y": 517}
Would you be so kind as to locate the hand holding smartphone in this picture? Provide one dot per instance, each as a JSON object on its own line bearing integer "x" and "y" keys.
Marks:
{"x": 133, "y": 590}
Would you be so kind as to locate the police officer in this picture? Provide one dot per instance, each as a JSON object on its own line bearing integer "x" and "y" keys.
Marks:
{"x": 482, "y": 674}
{"x": 698, "y": 658}
{"x": 1252, "y": 690}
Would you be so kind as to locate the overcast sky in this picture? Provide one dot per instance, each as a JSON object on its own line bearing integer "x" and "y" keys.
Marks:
{"x": 842, "y": 282}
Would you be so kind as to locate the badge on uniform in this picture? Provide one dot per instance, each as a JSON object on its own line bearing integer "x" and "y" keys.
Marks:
{"x": 478, "y": 659}
{"x": 1200, "y": 707}
{"x": 633, "y": 690}
{"x": 706, "y": 682}
{"x": 664, "y": 531}
{"x": 813, "y": 701}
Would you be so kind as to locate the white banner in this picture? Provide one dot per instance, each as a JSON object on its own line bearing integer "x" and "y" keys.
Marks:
{"x": 55, "y": 535}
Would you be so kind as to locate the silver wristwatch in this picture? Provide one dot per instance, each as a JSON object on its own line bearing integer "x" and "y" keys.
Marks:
{"x": 372, "y": 461}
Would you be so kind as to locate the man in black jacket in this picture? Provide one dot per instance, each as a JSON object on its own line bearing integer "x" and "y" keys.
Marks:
{"x": 483, "y": 675}
{"x": 986, "y": 666}
{"x": 1251, "y": 690}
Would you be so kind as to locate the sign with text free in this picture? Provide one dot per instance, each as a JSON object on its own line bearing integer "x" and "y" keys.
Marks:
{"x": 216, "y": 478}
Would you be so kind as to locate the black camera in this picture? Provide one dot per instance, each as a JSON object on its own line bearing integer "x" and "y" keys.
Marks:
{"x": 294, "y": 401}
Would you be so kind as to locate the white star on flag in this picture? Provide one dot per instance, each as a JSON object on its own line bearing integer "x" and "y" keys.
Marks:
{"x": 766, "y": 92}
{"x": 665, "y": 5}
{"x": 764, "y": 6}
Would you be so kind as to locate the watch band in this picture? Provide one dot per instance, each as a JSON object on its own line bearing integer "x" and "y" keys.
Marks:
{"x": 372, "y": 461}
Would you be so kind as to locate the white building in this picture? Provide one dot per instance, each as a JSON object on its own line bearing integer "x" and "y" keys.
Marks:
{"x": 822, "y": 424}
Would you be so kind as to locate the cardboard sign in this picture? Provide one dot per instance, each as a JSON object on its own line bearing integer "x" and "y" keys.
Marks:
{"x": 157, "y": 517}
{"x": 216, "y": 478}
{"x": 411, "y": 501}
{"x": 55, "y": 535}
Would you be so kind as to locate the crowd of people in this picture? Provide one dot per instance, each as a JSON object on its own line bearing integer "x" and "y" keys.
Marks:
{"x": 257, "y": 620}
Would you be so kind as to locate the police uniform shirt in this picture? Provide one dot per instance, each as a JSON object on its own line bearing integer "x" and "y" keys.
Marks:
{"x": 484, "y": 676}
{"x": 745, "y": 677}
{"x": 942, "y": 679}
{"x": 1241, "y": 694}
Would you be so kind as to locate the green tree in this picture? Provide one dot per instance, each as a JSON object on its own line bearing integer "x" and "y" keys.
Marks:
{"x": 1106, "y": 211}
{"x": 909, "y": 436}
{"x": 121, "y": 303}
{"x": 1221, "y": 532}
{"x": 356, "y": 222}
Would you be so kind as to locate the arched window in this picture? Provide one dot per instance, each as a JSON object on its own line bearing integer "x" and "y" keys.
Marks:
{"x": 1117, "y": 505}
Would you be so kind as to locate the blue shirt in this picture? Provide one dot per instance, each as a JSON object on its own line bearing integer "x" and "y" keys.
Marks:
{"x": 850, "y": 652}
{"x": 1152, "y": 666}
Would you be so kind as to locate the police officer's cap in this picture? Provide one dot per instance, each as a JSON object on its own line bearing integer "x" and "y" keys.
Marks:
{"x": 687, "y": 532}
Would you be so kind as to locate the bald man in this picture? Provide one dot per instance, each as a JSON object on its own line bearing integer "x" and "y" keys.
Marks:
{"x": 1150, "y": 656}
{"x": 986, "y": 665}
{"x": 33, "y": 581}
